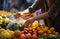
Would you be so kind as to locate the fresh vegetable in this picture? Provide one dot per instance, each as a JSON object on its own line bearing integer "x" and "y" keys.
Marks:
{"x": 14, "y": 26}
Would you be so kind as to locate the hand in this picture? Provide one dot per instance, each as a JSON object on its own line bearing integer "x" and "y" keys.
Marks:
{"x": 29, "y": 21}
{"x": 25, "y": 11}
{"x": 17, "y": 15}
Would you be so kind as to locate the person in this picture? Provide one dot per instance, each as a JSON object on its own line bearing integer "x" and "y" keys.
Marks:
{"x": 18, "y": 19}
{"x": 44, "y": 5}
{"x": 22, "y": 8}
{"x": 1, "y": 4}
{"x": 53, "y": 13}
{"x": 13, "y": 10}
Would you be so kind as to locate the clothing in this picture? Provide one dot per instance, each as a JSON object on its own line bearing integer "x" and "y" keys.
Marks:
{"x": 53, "y": 12}
{"x": 38, "y": 4}
{"x": 44, "y": 5}
{"x": 41, "y": 4}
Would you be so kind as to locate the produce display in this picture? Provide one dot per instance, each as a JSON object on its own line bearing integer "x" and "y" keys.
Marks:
{"x": 10, "y": 30}
{"x": 37, "y": 31}
{"x": 4, "y": 13}
{"x": 6, "y": 33}
{"x": 34, "y": 31}
{"x": 27, "y": 15}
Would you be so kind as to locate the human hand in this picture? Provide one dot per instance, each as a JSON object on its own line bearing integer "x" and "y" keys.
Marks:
{"x": 17, "y": 15}
{"x": 29, "y": 21}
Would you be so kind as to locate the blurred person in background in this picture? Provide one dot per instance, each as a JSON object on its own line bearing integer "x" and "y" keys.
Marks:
{"x": 8, "y": 4}
{"x": 1, "y": 4}
{"x": 22, "y": 8}
{"x": 12, "y": 12}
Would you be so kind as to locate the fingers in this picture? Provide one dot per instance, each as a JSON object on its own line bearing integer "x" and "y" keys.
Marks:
{"x": 26, "y": 23}
{"x": 17, "y": 15}
{"x": 29, "y": 21}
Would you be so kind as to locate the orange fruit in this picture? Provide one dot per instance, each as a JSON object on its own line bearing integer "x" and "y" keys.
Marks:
{"x": 56, "y": 33}
{"x": 52, "y": 28}
{"x": 30, "y": 28}
{"x": 41, "y": 32}
{"x": 45, "y": 29}
{"x": 33, "y": 27}
{"x": 33, "y": 30}
{"x": 49, "y": 32}
{"x": 38, "y": 28}
{"x": 35, "y": 24}
{"x": 45, "y": 34}
{"x": 53, "y": 32}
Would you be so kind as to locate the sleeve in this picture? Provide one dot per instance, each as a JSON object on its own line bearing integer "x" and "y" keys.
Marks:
{"x": 54, "y": 10}
{"x": 36, "y": 5}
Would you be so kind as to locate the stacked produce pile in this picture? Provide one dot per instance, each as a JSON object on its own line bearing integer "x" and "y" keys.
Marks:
{"x": 37, "y": 31}
{"x": 4, "y": 13}
{"x": 4, "y": 21}
{"x": 32, "y": 31}
{"x": 15, "y": 26}
{"x": 8, "y": 34}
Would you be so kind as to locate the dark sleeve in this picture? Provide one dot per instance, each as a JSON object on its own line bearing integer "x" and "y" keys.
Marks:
{"x": 36, "y": 5}
{"x": 54, "y": 10}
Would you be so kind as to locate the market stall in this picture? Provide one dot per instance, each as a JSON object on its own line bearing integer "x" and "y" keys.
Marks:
{"x": 11, "y": 30}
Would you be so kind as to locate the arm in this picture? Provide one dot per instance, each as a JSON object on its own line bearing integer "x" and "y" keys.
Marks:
{"x": 52, "y": 12}
{"x": 42, "y": 16}
{"x": 31, "y": 20}
{"x": 54, "y": 9}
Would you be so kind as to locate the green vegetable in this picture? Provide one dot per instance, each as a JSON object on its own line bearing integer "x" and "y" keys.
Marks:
{"x": 51, "y": 36}
{"x": 14, "y": 26}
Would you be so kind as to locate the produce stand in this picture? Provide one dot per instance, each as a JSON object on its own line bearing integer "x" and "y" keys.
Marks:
{"x": 9, "y": 30}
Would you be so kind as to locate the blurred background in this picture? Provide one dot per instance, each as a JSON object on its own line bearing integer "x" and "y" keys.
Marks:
{"x": 8, "y": 5}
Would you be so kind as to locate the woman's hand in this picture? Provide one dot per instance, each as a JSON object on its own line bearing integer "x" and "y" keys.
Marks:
{"x": 29, "y": 21}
